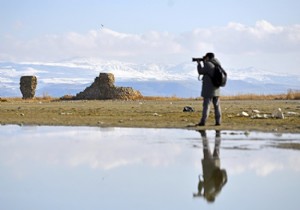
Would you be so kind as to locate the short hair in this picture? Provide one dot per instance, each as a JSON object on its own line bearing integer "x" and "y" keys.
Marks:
{"x": 210, "y": 55}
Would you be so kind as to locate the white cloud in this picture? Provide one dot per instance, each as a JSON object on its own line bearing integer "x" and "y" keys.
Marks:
{"x": 10, "y": 72}
{"x": 263, "y": 39}
{"x": 103, "y": 150}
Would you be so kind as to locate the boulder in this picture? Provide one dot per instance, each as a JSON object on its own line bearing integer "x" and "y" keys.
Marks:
{"x": 27, "y": 86}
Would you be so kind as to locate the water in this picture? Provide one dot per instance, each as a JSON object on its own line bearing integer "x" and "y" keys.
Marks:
{"x": 128, "y": 168}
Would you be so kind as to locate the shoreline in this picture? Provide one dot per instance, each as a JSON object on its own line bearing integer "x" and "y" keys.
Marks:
{"x": 150, "y": 114}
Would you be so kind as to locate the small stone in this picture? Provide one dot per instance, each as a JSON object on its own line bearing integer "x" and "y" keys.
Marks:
{"x": 244, "y": 114}
{"x": 156, "y": 114}
{"x": 278, "y": 114}
{"x": 188, "y": 109}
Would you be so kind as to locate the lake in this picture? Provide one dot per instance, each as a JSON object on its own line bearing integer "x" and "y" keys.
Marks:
{"x": 49, "y": 167}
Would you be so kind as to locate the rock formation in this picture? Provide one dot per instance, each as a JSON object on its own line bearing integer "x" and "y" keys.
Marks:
{"x": 103, "y": 88}
{"x": 28, "y": 86}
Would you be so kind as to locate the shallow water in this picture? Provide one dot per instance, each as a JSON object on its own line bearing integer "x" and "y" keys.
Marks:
{"x": 129, "y": 168}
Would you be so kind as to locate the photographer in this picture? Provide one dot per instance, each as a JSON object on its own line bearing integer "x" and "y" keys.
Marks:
{"x": 209, "y": 92}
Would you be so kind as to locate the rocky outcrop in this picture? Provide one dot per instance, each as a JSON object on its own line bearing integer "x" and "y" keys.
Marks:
{"x": 27, "y": 86}
{"x": 103, "y": 88}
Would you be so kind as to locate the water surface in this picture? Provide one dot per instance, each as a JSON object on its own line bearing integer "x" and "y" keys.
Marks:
{"x": 129, "y": 168}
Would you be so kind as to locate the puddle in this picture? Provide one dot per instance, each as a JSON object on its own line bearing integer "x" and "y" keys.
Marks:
{"x": 129, "y": 168}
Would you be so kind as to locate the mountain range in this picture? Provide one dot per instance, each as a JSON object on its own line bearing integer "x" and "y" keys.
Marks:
{"x": 69, "y": 77}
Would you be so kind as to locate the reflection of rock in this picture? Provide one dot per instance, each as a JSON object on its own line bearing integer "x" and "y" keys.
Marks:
{"x": 103, "y": 88}
{"x": 28, "y": 86}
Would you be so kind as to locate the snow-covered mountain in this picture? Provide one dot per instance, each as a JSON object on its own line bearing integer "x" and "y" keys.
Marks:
{"x": 72, "y": 76}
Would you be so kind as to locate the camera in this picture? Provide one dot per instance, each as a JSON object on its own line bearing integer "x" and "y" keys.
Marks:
{"x": 197, "y": 59}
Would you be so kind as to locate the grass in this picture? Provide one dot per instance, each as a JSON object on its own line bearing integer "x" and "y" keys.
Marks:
{"x": 153, "y": 112}
{"x": 149, "y": 112}
{"x": 290, "y": 95}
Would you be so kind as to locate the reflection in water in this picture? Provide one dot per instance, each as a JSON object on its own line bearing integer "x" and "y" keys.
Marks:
{"x": 214, "y": 178}
{"x": 91, "y": 168}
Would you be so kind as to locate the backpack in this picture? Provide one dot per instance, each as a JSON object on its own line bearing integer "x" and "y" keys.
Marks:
{"x": 219, "y": 77}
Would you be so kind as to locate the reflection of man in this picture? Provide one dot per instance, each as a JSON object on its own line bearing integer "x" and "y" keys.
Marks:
{"x": 214, "y": 178}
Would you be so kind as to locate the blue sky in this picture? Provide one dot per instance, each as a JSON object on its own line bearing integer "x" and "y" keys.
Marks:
{"x": 36, "y": 17}
{"x": 264, "y": 34}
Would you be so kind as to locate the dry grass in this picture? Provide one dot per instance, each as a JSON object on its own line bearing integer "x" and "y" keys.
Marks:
{"x": 251, "y": 97}
{"x": 290, "y": 95}
{"x": 33, "y": 100}
{"x": 293, "y": 95}
{"x": 160, "y": 98}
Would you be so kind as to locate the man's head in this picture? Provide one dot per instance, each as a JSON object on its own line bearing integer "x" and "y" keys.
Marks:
{"x": 209, "y": 56}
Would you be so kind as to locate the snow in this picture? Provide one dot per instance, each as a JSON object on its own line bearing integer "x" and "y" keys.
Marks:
{"x": 80, "y": 71}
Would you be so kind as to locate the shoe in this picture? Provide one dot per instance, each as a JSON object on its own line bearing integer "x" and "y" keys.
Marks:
{"x": 200, "y": 124}
{"x": 217, "y": 124}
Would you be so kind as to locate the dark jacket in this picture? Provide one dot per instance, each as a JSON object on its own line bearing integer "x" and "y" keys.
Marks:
{"x": 208, "y": 89}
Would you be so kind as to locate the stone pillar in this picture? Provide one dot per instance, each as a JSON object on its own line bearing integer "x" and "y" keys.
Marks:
{"x": 28, "y": 86}
{"x": 104, "y": 88}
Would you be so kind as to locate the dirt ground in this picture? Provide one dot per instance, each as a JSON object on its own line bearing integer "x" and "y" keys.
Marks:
{"x": 151, "y": 114}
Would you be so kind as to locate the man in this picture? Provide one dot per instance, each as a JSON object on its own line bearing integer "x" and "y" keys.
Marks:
{"x": 209, "y": 92}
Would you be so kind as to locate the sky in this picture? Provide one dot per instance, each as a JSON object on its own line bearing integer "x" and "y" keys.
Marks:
{"x": 263, "y": 34}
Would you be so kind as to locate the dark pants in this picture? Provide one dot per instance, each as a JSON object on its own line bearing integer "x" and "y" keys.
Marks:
{"x": 206, "y": 108}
